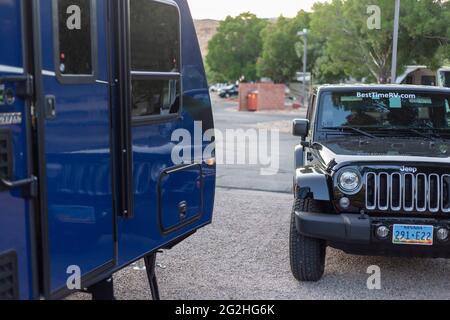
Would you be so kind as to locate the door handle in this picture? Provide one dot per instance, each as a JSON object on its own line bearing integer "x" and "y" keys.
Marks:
{"x": 30, "y": 183}
{"x": 50, "y": 107}
{"x": 18, "y": 183}
{"x": 182, "y": 210}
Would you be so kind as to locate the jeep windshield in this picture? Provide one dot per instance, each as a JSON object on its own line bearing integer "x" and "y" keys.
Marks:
{"x": 399, "y": 113}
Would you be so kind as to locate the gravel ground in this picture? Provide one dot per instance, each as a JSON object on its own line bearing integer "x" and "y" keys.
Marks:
{"x": 244, "y": 255}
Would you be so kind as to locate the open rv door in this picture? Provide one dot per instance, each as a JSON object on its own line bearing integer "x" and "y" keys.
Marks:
{"x": 75, "y": 161}
{"x": 17, "y": 184}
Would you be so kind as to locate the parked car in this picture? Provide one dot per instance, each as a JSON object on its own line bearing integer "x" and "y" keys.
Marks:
{"x": 372, "y": 175}
{"x": 230, "y": 91}
{"x": 217, "y": 87}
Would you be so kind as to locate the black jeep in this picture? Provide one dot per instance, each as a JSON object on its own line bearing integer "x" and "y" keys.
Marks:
{"x": 372, "y": 175}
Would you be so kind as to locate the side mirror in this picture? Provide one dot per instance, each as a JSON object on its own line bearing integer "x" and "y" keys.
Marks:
{"x": 300, "y": 128}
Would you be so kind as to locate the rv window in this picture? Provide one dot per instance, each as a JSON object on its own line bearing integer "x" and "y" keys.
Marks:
{"x": 74, "y": 40}
{"x": 155, "y": 36}
{"x": 155, "y": 59}
{"x": 155, "y": 97}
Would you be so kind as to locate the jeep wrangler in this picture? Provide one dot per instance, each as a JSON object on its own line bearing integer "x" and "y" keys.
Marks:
{"x": 372, "y": 175}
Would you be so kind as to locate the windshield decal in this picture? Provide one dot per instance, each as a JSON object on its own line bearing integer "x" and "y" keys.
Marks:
{"x": 385, "y": 95}
{"x": 421, "y": 100}
{"x": 350, "y": 99}
{"x": 395, "y": 103}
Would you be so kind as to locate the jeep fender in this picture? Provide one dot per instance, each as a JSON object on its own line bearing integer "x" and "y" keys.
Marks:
{"x": 311, "y": 183}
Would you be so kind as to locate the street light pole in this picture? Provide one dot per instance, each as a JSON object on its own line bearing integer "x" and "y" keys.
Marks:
{"x": 304, "y": 34}
{"x": 395, "y": 44}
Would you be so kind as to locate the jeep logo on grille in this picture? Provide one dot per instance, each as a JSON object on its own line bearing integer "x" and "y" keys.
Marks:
{"x": 408, "y": 169}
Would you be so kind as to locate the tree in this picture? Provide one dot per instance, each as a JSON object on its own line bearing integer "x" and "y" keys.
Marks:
{"x": 281, "y": 54}
{"x": 442, "y": 56}
{"x": 361, "y": 52}
{"x": 283, "y": 51}
{"x": 235, "y": 48}
{"x": 214, "y": 77}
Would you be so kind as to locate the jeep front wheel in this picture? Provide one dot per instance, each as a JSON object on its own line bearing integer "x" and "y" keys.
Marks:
{"x": 307, "y": 254}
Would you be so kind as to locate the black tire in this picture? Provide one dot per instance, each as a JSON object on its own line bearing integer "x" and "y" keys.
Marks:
{"x": 307, "y": 254}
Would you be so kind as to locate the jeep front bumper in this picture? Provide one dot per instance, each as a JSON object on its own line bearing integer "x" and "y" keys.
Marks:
{"x": 357, "y": 235}
{"x": 341, "y": 227}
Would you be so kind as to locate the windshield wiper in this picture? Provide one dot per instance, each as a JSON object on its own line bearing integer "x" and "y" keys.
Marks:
{"x": 434, "y": 130}
{"x": 429, "y": 133}
{"x": 357, "y": 130}
{"x": 422, "y": 134}
{"x": 418, "y": 131}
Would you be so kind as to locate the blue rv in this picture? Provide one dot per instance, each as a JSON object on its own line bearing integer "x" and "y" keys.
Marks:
{"x": 91, "y": 92}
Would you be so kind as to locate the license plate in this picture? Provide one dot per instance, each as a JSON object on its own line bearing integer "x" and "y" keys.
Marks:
{"x": 413, "y": 235}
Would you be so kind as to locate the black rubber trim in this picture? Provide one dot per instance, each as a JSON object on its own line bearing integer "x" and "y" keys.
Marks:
{"x": 343, "y": 228}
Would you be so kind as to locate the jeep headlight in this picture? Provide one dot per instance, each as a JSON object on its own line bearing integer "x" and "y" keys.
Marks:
{"x": 349, "y": 181}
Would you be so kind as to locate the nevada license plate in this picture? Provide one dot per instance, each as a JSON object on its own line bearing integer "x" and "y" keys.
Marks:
{"x": 413, "y": 235}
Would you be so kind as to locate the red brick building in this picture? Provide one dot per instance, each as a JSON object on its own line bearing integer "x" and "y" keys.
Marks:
{"x": 269, "y": 96}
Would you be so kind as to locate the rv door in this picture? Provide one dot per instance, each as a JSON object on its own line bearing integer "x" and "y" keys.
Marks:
{"x": 17, "y": 183}
{"x": 74, "y": 144}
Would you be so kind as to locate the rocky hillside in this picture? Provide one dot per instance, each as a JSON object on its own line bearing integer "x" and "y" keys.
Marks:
{"x": 206, "y": 29}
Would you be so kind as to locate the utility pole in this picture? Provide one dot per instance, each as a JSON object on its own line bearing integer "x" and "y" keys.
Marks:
{"x": 395, "y": 44}
{"x": 304, "y": 34}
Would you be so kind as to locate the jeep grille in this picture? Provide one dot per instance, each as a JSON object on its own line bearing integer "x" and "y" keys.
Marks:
{"x": 408, "y": 192}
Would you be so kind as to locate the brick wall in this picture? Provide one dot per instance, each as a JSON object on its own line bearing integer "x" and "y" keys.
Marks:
{"x": 270, "y": 96}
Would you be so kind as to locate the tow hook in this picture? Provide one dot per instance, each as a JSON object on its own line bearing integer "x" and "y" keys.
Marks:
{"x": 363, "y": 215}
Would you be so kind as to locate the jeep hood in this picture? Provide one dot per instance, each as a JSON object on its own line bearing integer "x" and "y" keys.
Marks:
{"x": 339, "y": 151}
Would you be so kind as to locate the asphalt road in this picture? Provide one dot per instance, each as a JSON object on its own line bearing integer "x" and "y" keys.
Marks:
{"x": 244, "y": 253}
{"x": 248, "y": 176}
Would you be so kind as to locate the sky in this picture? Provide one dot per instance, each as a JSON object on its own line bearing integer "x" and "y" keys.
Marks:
{"x": 219, "y": 9}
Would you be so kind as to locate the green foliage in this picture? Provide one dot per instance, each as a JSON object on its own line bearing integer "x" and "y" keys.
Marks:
{"x": 282, "y": 50}
{"x": 442, "y": 56}
{"x": 214, "y": 77}
{"x": 234, "y": 50}
{"x": 340, "y": 43}
{"x": 351, "y": 47}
